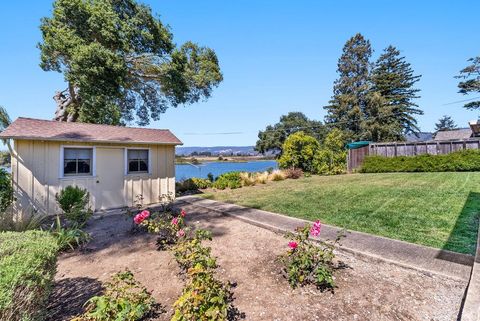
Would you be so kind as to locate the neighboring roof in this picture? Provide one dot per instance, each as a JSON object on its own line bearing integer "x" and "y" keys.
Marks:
{"x": 454, "y": 134}
{"x": 422, "y": 137}
{"x": 39, "y": 129}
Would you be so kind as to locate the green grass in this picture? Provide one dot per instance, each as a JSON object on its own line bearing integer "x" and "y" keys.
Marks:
{"x": 434, "y": 209}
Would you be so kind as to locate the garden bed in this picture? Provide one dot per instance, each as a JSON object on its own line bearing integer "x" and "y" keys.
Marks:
{"x": 367, "y": 290}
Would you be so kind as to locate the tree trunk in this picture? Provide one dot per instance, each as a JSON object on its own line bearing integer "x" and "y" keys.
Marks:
{"x": 66, "y": 105}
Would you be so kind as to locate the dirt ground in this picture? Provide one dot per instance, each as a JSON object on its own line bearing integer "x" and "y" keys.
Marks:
{"x": 366, "y": 289}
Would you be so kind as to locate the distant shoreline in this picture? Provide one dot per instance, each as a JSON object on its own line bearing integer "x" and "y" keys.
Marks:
{"x": 197, "y": 160}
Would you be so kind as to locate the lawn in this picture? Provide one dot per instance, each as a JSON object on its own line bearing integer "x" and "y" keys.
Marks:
{"x": 434, "y": 209}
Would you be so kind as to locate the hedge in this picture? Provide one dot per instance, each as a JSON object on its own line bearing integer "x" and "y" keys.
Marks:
{"x": 27, "y": 268}
{"x": 461, "y": 161}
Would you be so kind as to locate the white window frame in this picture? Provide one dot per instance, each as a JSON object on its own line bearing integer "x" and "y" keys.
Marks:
{"x": 125, "y": 156}
{"x": 62, "y": 161}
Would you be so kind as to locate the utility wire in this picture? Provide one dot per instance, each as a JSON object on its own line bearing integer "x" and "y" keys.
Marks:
{"x": 461, "y": 101}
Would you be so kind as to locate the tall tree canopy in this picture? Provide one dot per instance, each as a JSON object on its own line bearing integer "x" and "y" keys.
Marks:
{"x": 393, "y": 78}
{"x": 445, "y": 123}
{"x": 471, "y": 81}
{"x": 347, "y": 106}
{"x": 273, "y": 137}
{"x": 120, "y": 62}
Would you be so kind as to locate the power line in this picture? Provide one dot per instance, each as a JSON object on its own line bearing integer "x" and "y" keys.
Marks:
{"x": 205, "y": 134}
{"x": 461, "y": 101}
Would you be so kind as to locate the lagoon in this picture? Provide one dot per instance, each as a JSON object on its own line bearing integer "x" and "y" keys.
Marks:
{"x": 185, "y": 171}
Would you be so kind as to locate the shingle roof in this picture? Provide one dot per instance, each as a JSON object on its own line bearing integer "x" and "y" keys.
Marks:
{"x": 454, "y": 134}
{"x": 422, "y": 137}
{"x": 39, "y": 129}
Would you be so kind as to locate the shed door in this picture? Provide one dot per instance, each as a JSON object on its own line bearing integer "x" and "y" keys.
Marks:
{"x": 110, "y": 178}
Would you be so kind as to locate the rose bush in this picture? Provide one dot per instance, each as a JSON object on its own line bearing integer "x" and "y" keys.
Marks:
{"x": 307, "y": 263}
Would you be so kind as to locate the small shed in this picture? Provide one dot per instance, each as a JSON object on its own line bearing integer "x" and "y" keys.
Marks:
{"x": 114, "y": 163}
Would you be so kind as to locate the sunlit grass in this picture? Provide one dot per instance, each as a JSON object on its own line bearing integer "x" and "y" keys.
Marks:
{"x": 434, "y": 209}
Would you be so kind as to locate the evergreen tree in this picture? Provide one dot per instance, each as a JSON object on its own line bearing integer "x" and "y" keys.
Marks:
{"x": 347, "y": 106}
{"x": 471, "y": 82}
{"x": 393, "y": 78}
{"x": 445, "y": 123}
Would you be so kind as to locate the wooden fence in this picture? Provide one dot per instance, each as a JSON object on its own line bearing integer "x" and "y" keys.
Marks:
{"x": 356, "y": 156}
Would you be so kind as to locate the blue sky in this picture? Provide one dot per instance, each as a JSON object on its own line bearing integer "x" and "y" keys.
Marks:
{"x": 276, "y": 57}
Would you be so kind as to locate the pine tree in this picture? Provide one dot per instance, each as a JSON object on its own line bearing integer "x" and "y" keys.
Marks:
{"x": 445, "y": 123}
{"x": 393, "y": 78}
{"x": 347, "y": 106}
{"x": 471, "y": 82}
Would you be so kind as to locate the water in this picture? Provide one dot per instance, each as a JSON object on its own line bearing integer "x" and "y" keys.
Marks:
{"x": 217, "y": 168}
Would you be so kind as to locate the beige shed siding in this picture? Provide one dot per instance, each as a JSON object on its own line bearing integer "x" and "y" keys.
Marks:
{"x": 36, "y": 174}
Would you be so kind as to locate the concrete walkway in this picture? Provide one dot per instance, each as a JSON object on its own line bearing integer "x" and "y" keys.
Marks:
{"x": 426, "y": 259}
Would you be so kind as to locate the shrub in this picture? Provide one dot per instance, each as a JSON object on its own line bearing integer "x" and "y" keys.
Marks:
{"x": 192, "y": 184}
{"x": 69, "y": 237}
{"x": 299, "y": 151}
{"x": 247, "y": 179}
{"x": 308, "y": 263}
{"x": 293, "y": 173}
{"x": 277, "y": 175}
{"x": 125, "y": 299}
{"x": 6, "y": 190}
{"x": 228, "y": 180}
{"x": 461, "y": 161}
{"x": 27, "y": 268}
{"x": 210, "y": 177}
{"x": 168, "y": 226}
{"x": 204, "y": 298}
{"x": 74, "y": 201}
{"x": 261, "y": 178}
{"x": 331, "y": 159}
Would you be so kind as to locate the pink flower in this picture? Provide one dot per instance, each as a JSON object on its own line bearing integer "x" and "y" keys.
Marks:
{"x": 138, "y": 218}
{"x": 175, "y": 221}
{"x": 145, "y": 214}
{"x": 292, "y": 245}
{"x": 183, "y": 213}
{"x": 315, "y": 229}
{"x": 181, "y": 233}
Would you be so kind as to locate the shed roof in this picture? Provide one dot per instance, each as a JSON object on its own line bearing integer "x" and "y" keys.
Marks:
{"x": 40, "y": 129}
{"x": 454, "y": 134}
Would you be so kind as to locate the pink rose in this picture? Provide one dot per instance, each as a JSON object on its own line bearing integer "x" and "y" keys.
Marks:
{"x": 292, "y": 245}
{"x": 181, "y": 233}
{"x": 175, "y": 221}
{"x": 145, "y": 214}
{"x": 183, "y": 213}
{"x": 138, "y": 219}
{"x": 315, "y": 229}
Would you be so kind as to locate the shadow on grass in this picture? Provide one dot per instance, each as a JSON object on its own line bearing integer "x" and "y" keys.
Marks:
{"x": 464, "y": 234}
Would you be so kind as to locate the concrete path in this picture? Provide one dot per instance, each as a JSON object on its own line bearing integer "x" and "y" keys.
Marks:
{"x": 471, "y": 305}
{"x": 426, "y": 259}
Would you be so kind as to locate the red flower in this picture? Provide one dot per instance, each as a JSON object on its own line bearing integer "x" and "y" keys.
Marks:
{"x": 181, "y": 233}
{"x": 175, "y": 221}
{"x": 183, "y": 213}
{"x": 292, "y": 245}
{"x": 315, "y": 229}
{"x": 140, "y": 217}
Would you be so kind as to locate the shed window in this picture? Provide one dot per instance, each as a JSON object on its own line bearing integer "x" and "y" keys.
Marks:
{"x": 138, "y": 161}
{"x": 77, "y": 161}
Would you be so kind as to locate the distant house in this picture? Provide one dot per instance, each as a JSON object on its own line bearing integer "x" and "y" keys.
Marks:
{"x": 115, "y": 164}
{"x": 454, "y": 134}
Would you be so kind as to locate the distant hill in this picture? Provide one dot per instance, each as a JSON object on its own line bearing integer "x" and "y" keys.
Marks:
{"x": 217, "y": 150}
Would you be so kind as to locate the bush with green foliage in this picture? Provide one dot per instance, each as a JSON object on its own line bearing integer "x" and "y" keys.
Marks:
{"x": 461, "y": 161}
{"x": 6, "y": 190}
{"x": 228, "y": 180}
{"x": 125, "y": 299}
{"x": 299, "y": 151}
{"x": 204, "y": 297}
{"x": 27, "y": 267}
{"x": 74, "y": 202}
{"x": 331, "y": 159}
{"x": 309, "y": 263}
{"x": 192, "y": 184}
{"x": 69, "y": 237}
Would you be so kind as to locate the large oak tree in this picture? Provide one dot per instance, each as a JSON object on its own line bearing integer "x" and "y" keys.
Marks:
{"x": 120, "y": 63}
